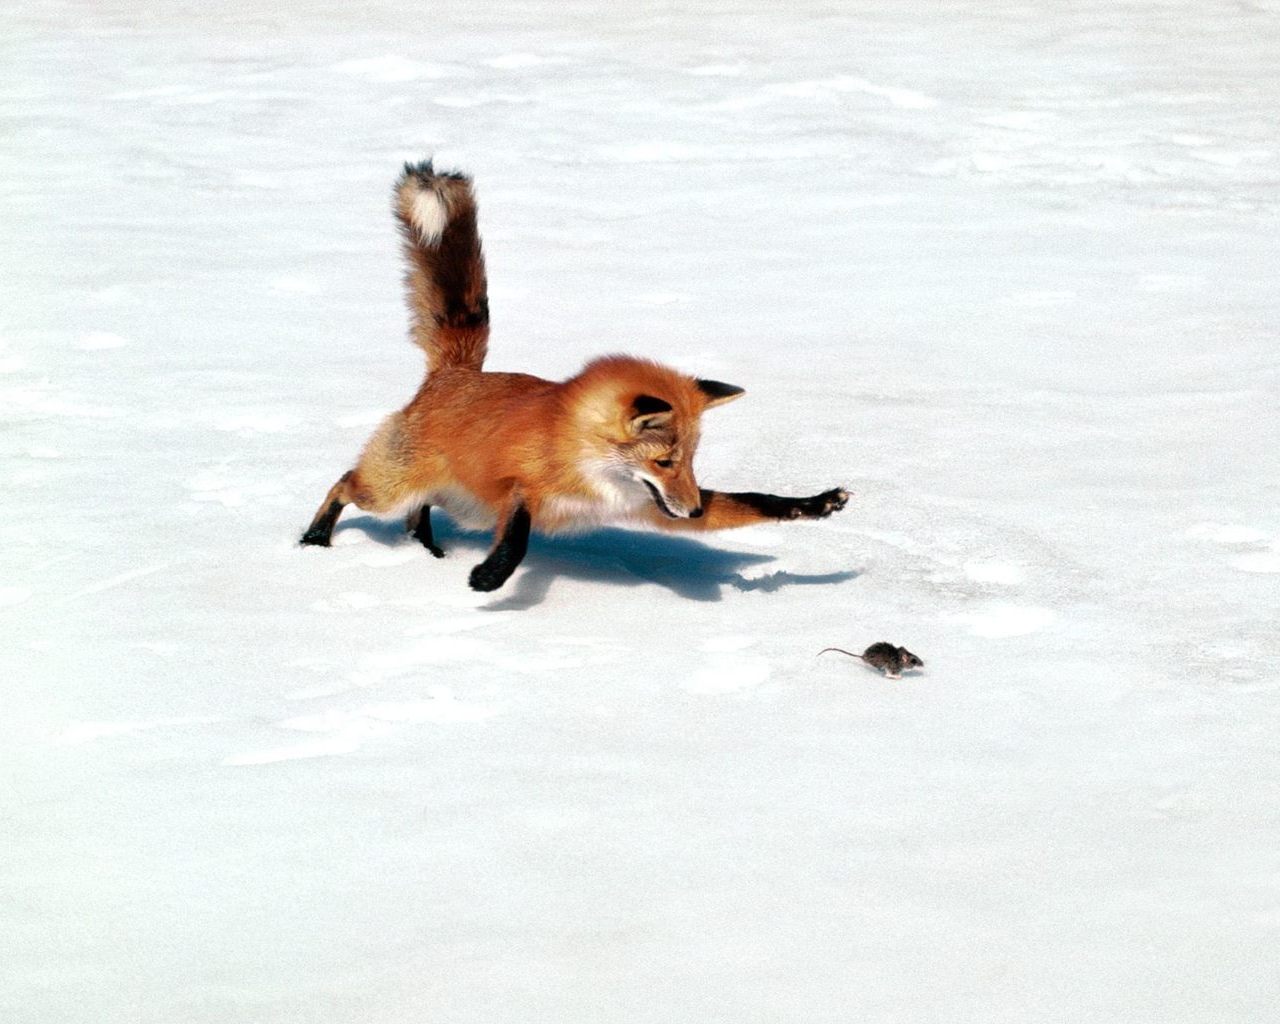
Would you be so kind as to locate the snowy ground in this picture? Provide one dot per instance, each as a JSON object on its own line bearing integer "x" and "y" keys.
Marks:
{"x": 1008, "y": 272}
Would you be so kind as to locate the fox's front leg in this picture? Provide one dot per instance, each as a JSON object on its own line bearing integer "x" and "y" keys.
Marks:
{"x": 511, "y": 543}
{"x": 724, "y": 511}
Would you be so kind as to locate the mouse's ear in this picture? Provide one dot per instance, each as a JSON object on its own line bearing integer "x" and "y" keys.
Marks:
{"x": 717, "y": 393}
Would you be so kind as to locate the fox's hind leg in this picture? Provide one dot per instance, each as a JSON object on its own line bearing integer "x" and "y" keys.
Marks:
{"x": 386, "y": 480}
{"x": 320, "y": 531}
{"x": 419, "y": 526}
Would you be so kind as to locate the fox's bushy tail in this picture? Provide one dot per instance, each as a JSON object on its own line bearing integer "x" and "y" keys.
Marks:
{"x": 448, "y": 291}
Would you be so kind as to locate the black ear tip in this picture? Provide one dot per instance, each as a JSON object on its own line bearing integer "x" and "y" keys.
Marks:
{"x": 718, "y": 390}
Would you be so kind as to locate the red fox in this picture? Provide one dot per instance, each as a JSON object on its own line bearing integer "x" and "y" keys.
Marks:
{"x": 518, "y": 453}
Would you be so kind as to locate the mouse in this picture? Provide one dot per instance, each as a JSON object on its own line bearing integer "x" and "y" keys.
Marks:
{"x": 884, "y": 656}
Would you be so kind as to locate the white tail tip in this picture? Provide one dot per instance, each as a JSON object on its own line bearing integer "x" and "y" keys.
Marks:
{"x": 429, "y": 214}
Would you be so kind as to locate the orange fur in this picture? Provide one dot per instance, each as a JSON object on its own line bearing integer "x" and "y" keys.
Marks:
{"x": 616, "y": 442}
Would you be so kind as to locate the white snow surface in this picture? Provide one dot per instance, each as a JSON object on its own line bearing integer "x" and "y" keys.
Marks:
{"x": 1007, "y": 270}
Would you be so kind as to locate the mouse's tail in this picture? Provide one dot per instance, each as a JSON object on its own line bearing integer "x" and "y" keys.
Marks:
{"x": 841, "y": 650}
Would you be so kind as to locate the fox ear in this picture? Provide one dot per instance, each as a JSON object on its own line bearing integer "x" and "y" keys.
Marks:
{"x": 648, "y": 412}
{"x": 717, "y": 393}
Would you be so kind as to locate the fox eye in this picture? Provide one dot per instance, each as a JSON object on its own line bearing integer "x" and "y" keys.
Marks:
{"x": 664, "y": 463}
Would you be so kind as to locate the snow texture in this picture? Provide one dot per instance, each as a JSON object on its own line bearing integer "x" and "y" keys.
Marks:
{"x": 1006, "y": 270}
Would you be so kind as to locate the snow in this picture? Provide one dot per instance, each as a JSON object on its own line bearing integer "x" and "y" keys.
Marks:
{"x": 1006, "y": 270}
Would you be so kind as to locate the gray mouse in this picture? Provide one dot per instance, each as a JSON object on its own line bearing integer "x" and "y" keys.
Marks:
{"x": 889, "y": 659}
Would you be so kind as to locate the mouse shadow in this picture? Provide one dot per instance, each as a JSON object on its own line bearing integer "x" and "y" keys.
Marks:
{"x": 688, "y": 568}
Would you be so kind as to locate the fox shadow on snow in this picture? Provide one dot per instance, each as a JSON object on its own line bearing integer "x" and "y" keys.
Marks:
{"x": 687, "y": 567}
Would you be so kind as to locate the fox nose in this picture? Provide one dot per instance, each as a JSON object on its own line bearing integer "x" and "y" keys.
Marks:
{"x": 695, "y": 513}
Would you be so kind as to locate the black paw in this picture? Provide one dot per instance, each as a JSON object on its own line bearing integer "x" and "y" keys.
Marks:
{"x": 485, "y": 577}
{"x": 429, "y": 544}
{"x": 820, "y": 505}
{"x": 319, "y": 538}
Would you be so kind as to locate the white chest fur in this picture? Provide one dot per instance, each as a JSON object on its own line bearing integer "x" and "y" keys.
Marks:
{"x": 612, "y": 496}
